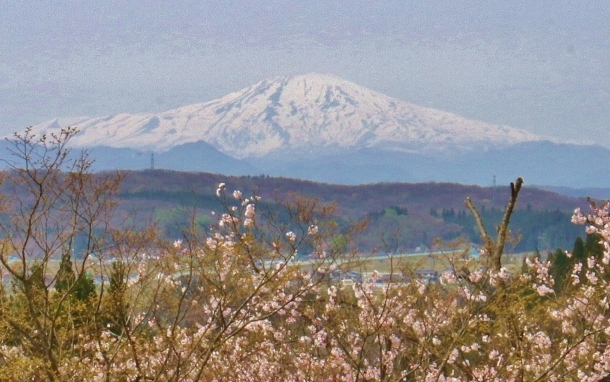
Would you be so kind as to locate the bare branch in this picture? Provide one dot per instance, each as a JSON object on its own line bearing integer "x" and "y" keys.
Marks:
{"x": 494, "y": 250}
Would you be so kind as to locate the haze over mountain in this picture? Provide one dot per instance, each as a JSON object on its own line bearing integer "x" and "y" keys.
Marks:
{"x": 324, "y": 128}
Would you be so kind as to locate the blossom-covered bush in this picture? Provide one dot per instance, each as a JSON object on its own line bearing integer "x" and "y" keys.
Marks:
{"x": 232, "y": 304}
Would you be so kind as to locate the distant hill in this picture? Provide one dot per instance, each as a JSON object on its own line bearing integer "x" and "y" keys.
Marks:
{"x": 416, "y": 213}
{"x": 543, "y": 163}
{"x": 594, "y": 193}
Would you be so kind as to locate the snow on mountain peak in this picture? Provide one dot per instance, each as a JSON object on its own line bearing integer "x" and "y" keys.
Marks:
{"x": 311, "y": 110}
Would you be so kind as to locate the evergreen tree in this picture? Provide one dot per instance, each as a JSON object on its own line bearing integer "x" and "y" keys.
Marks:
{"x": 537, "y": 254}
{"x": 560, "y": 270}
{"x": 118, "y": 278}
{"x": 65, "y": 275}
{"x": 29, "y": 295}
{"x": 116, "y": 304}
{"x": 84, "y": 287}
{"x": 80, "y": 288}
{"x": 525, "y": 269}
{"x": 35, "y": 280}
{"x": 578, "y": 253}
{"x": 593, "y": 248}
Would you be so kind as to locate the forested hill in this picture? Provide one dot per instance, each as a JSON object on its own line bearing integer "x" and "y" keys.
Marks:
{"x": 414, "y": 214}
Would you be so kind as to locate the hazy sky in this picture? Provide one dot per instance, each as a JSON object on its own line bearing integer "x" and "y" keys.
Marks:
{"x": 539, "y": 65}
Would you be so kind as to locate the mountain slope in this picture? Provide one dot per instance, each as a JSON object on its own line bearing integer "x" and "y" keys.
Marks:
{"x": 299, "y": 112}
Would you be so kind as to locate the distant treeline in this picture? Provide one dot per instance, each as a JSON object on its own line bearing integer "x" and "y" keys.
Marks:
{"x": 533, "y": 230}
{"x": 401, "y": 211}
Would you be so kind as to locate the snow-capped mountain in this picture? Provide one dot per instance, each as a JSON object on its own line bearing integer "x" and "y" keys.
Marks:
{"x": 323, "y": 128}
{"x": 299, "y": 112}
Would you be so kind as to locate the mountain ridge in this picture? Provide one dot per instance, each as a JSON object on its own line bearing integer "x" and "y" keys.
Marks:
{"x": 323, "y": 128}
{"x": 312, "y": 110}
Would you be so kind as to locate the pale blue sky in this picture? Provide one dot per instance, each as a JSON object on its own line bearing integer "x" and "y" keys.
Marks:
{"x": 543, "y": 66}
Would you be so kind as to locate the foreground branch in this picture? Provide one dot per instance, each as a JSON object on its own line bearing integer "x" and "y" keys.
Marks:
{"x": 494, "y": 250}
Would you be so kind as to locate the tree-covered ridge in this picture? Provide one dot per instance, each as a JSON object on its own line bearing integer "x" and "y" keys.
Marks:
{"x": 420, "y": 212}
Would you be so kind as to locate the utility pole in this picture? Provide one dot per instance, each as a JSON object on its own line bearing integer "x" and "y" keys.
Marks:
{"x": 152, "y": 161}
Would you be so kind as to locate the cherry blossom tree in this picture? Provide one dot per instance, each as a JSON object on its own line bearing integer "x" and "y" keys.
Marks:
{"x": 232, "y": 304}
